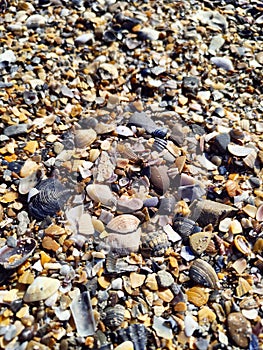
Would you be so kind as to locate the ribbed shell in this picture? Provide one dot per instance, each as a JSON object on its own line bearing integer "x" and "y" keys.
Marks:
{"x": 51, "y": 197}
{"x": 114, "y": 316}
{"x": 154, "y": 243}
{"x": 136, "y": 333}
{"x": 203, "y": 273}
{"x": 184, "y": 226}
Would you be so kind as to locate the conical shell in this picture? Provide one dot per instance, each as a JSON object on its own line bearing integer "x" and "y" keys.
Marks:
{"x": 41, "y": 289}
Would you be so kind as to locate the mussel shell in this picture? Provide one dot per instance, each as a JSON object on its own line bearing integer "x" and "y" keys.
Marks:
{"x": 184, "y": 226}
{"x": 12, "y": 257}
{"x": 114, "y": 316}
{"x": 50, "y": 198}
{"x": 203, "y": 273}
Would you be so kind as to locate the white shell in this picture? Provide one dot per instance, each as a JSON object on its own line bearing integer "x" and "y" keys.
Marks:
{"x": 41, "y": 289}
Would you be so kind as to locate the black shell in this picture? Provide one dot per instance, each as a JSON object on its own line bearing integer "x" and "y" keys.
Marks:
{"x": 12, "y": 257}
{"x": 50, "y": 199}
{"x": 159, "y": 144}
{"x": 114, "y": 316}
{"x": 159, "y": 133}
{"x": 184, "y": 226}
{"x": 136, "y": 333}
{"x": 203, "y": 273}
{"x": 154, "y": 244}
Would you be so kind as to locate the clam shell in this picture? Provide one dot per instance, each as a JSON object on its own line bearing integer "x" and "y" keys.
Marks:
{"x": 159, "y": 179}
{"x": 203, "y": 273}
{"x": 101, "y": 194}
{"x": 129, "y": 205}
{"x": 199, "y": 242}
{"x": 154, "y": 243}
{"x": 123, "y": 224}
{"x": 41, "y": 289}
{"x": 239, "y": 151}
{"x": 123, "y": 244}
{"x": 12, "y": 257}
{"x": 84, "y": 137}
{"x": 50, "y": 196}
{"x": 239, "y": 329}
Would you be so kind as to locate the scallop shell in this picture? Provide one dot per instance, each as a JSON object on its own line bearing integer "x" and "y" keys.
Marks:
{"x": 123, "y": 224}
{"x": 84, "y": 137}
{"x": 159, "y": 179}
{"x": 154, "y": 243}
{"x": 114, "y": 316}
{"x": 136, "y": 333}
{"x": 12, "y": 257}
{"x": 49, "y": 198}
{"x": 203, "y": 273}
{"x": 41, "y": 289}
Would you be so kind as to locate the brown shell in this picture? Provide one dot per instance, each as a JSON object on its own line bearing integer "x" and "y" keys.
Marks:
{"x": 203, "y": 273}
{"x": 154, "y": 243}
{"x": 242, "y": 244}
{"x": 12, "y": 257}
{"x": 123, "y": 224}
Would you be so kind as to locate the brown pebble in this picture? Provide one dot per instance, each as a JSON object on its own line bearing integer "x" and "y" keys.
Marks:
{"x": 239, "y": 329}
{"x": 50, "y": 244}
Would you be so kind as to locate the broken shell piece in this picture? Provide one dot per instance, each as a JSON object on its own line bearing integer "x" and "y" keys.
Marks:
{"x": 123, "y": 244}
{"x": 114, "y": 316}
{"x": 239, "y": 151}
{"x": 12, "y": 257}
{"x": 199, "y": 242}
{"x": 100, "y": 194}
{"x": 259, "y": 215}
{"x": 203, "y": 273}
{"x": 41, "y": 289}
{"x": 242, "y": 245}
{"x": 159, "y": 179}
{"x": 84, "y": 137}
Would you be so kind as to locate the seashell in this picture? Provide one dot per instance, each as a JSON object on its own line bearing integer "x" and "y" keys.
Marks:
{"x": 128, "y": 153}
{"x": 123, "y": 224}
{"x": 235, "y": 227}
{"x": 258, "y": 246}
{"x": 160, "y": 133}
{"x": 203, "y": 273}
{"x": 12, "y": 257}
{"x": 159, "y": 144}
{"x": 129, "y": 205}
{"x": 114, "y": 316}
{"x": 143, "y": 121}
{"x": 50, "y": 197}
{"x": 136, "y": 333}
{"x": 184, "y": 226}
{"x": 242, "y": 244}
{"x": 167, "y": 205}
{"x": 199, "y": 242}
{"x": 154, "y": 243}
{"x": 159, "y": 179}
{"x": 259, "y": 214}
{"x": 240, "y": 265}
{"x": 190, "y": 86}
{"x": 239, "y": 151}
{"x": 239, "y": 329}
{"x": 232, "y": 188}
{"x": 243, "y": 287}
{"x": 41, "y": 289}
{"x": 250, "y": 159}
{"x": 29, "y": 182}
{"x": 248, "y": 303}
{"x": 84, "y": 137}
{"x": 197, "y": 296}
{"x": 101, "y": 194}
{"x": 123, "y": 131}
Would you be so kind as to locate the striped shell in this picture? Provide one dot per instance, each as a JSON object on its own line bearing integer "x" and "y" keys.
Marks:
{"x": 49, "y": 198}
{"x": 136, "y": 333}
{"x": 203, "y": 273}
{"x": 154, "y": 243}
{"x": 123, "y": 224}
{"x": 184, "y": 226}
{"x": 114, "y": 316}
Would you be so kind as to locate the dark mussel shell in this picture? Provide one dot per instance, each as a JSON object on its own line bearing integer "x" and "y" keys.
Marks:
{"x": 184, "y": 226}
{"x": 136, "y": 333}
{"x": 50, "y": 199}
{"x": 12, "y": 257}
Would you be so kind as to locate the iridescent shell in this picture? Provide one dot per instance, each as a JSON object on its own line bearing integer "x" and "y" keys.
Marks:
{"x": 154, "y": 243}
{"x": 49, "y": 198}
{"x": 12, "y": 257}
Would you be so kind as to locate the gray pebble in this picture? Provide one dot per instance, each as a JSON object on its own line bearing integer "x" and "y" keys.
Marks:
{"x": 14, "y": 130}
{"x": 221, "y": 142}
{"x": 164, "y": 279}
{"x": 10, "y": 332}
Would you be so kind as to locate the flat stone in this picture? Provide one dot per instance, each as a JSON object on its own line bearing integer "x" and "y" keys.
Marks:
{"x": 209, "y": 212}
{"x": 14, "y": 130}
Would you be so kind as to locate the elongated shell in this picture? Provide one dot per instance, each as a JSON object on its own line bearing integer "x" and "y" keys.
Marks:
{"x": 51, "y": 195}
{"x": 123, "y": 224}
{"x": 203, "y": 273}
{"x": 12, "y": 257}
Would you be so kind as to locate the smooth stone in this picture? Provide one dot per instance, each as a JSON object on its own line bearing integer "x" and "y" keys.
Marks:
{"x": 239, "y": 329}
{"x": 164, "y": 279}
{"x": 143, "y": 121}
{"x": 223, "y": 62}
{"x": 216, "y": 43}
{"x": 14, "y": 130}
{"x": 35, "y": 21}
{"x": 84, "y": 38}
{"x": 209, "y": 212}
{"x": 8, "y": 56}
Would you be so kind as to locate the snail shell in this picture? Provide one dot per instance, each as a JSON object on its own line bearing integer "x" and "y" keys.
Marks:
{"x": 203, "y": 273}
{"x": 50, "y": 195}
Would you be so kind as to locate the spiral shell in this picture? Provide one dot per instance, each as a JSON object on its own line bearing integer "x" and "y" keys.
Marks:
{"x": 49, "y": 198}
{"x": 154, "y": 243}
